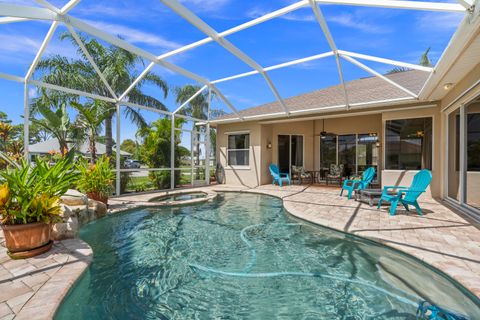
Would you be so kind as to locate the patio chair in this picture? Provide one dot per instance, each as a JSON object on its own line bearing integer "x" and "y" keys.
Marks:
{"x": 359, "y": 184}
{"x": 277, "y": 176}
{"x": 407, "y": 195}
{"x": 298, "y": 173}
{"x": 336, "y": 173}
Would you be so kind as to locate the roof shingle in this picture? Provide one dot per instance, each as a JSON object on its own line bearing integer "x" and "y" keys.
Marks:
{"x": 362, "y": 90}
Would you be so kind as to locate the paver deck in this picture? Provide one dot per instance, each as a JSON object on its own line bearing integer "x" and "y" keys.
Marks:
{"x": 33, "y": 288}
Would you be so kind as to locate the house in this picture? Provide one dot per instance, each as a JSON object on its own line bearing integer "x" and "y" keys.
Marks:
{"x": 379, "y": 127}
{"x": 52, "y": 146}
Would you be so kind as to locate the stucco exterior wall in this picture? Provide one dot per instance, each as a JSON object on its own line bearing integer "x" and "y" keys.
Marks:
{"x": 404, "y": 177}
{"x": 250, "y": 175}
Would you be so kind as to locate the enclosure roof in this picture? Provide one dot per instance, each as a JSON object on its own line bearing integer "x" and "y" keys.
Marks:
{"x": 50, "y": 145}
{"x": 360, "y": 91}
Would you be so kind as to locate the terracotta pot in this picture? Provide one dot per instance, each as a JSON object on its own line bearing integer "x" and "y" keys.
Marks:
{"x": 97, "y": 197}
{"x": 26, "y": 237}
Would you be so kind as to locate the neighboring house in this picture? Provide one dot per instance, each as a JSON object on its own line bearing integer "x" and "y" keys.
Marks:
{"x": 47, "y": 147}
{"x": 381, "y": 127}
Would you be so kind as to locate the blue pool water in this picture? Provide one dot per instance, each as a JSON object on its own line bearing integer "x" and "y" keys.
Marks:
{"x": 243, "y": 257}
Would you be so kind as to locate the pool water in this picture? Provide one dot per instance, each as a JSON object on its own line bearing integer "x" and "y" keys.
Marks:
{"x": 180, "y": 197}
{"x": 242, "y": 256}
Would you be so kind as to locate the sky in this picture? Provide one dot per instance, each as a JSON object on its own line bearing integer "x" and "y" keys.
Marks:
{"x": 388, "y": 33}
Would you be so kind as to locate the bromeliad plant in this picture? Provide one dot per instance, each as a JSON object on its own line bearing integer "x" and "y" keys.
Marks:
{"x": 96, "y": 180}
{"x": 31, "y": 193}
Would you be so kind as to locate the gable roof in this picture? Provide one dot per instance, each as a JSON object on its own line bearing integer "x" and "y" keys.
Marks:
{"x": 364, "y": 90}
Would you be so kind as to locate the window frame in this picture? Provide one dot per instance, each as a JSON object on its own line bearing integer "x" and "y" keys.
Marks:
{"x": 384, "y": 139}
{"x": 245, "y": 166}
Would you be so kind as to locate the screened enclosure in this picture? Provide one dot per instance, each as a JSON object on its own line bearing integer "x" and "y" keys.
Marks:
{"x": 182, "y": 152}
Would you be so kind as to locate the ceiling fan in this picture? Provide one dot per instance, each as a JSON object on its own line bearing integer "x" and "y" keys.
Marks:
{"x": 324, "y": 133}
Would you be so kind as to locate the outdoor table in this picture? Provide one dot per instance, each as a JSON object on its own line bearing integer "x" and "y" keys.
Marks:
{"x": 313, "y": 175}
{"x": 370, "y": 196}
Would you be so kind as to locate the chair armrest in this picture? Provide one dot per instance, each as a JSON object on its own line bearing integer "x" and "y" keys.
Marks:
{"x": 284, "y": 174}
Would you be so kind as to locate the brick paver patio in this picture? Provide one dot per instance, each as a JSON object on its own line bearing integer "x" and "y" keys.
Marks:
{"x": 443, "y": 238}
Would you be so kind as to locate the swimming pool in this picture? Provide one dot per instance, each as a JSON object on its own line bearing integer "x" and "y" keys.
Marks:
{"x": 242, "y": 256}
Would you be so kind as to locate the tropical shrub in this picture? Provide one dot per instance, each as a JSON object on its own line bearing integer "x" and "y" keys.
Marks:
{"x": 155, "y": 150}
{"x": 96, "y": 177}
{"x": 31, "y": 194}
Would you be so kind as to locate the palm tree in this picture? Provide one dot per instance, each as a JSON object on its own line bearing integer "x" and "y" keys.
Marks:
{"x": 119, "y": 69}
{"x": 424, "y": 61}
{"x": 90, "y": 118}
{"x": 58, "y": 124}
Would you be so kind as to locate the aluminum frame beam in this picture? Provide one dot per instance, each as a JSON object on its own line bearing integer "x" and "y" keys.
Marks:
{"x": 246, "y": 25}
{"x": 5, "y": 20}
{"x": 69, "y": 6}
{"x": 92, "y": 62}
{"x": 26, "y": 12}
{"x": 386, "y": 61}
{"x": 328, "y": 35}
{"x": 11, "y": 77}
{"x": 375, "y": 73}
{"x": 399, "y": 4}
{"x": 71, "y": 91}
{"x": 190, "y": 99}
{"x": 201, "y": 25}
{"x": 40, "y": 51}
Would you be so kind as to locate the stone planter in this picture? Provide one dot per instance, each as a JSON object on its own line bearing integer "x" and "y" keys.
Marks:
{"x": 27, "y": 240}
{"x": 98, "y": 197}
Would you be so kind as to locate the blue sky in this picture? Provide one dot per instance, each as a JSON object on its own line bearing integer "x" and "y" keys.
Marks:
{"x": 395, "y": 34}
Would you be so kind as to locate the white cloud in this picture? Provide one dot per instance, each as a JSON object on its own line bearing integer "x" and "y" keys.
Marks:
{"x": 439, "y": 22}
{"x": 207, "y": 5}
{"x": 293, "y": 16}
{"x": 32, "y": 92}
{"x": 133, "y": 35}
{"x": 355, "y": 22}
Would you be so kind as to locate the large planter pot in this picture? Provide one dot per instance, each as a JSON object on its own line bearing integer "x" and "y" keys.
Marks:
{"x": 27, "y": 240}
{"x": 98, "y": 197}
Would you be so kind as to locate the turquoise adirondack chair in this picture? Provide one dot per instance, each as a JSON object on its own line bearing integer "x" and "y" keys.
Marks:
{"x": 407, "y": 195}
{"x": 351, "y": 185}
{"x": 277, "y": 176}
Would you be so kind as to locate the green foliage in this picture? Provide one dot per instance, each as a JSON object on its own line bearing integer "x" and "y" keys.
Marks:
{"x": 96, "y": 177}
{"x": 32, "y": 193}
{"x": 120, "y": 69}
{"x": 57, "y": 123}
{"x": 424, "y": 61}
{"x": 90, "y": 117}
{"x": 155, "y": 151}
{"x": 130, "y": 146}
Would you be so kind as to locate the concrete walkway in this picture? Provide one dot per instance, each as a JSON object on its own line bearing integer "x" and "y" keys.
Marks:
{"x": 34, "y": 288}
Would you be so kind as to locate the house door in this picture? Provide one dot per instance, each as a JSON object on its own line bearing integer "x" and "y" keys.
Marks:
{"x": 290, "y": 152}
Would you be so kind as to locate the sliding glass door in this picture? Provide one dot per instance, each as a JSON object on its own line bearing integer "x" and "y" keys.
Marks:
{"x": 290, "y": 152}
{"x": 472, "y": 146}
{"x": 463, "y": 156}
{"x": 355, "y": 151}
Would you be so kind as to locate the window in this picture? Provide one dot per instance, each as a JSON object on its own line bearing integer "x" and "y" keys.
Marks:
{"x": 408, "y": 144}
{"x": 238, "y": 149}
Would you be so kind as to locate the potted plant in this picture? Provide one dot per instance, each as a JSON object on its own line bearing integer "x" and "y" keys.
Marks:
{"x": 96, "y": 179}
{"x": 30, "y": 203}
